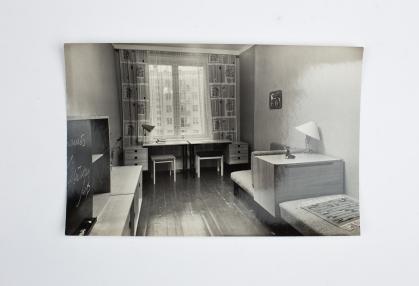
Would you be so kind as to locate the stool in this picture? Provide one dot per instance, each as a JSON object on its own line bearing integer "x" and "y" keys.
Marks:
{"x": 159, "y": 159}
{"x": 209, "y": 155}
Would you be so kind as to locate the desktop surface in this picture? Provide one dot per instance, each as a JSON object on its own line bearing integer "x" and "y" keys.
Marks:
{"x": 166, "y": 143}
{"x": 208, "y": 141}
{"x": 300, "y": 158}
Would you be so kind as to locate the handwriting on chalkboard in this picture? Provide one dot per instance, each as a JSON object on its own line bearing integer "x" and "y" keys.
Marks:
{"x": 78, "y": 141}
{"x": 79, "y": 174}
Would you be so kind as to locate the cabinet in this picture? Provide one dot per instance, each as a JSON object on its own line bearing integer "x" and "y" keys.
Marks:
{"x": 237, "y": 153}
{"x": 118, "y": 212}
{"x": 308, "y": 175}
{"x": 136, "y": 156}
{"x": 88, "y": 170}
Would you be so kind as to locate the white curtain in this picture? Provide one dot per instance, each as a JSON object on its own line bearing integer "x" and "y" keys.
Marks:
{"x": 179, "y": 100}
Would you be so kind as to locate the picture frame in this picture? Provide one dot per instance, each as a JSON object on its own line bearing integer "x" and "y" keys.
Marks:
{"x": 275, "y": 99}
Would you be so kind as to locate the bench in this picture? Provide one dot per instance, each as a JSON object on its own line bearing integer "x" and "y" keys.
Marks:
{"x": 242, "y": 179}
{"x": 308, "y": 223}
{"x": 245, "y": 179}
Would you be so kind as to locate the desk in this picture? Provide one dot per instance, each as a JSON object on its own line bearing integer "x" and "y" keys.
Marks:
{"x": 182, "y": 143}
{"x": 194, "y": 142}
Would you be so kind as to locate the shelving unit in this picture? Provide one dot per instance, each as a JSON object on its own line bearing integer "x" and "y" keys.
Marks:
{"x": 101, "y": 157}
{"x": 88, "y": 169}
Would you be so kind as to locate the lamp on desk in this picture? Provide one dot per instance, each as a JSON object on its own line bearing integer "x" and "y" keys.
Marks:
{"x": 146, "y": 128}
{"x": 310, "y": 130}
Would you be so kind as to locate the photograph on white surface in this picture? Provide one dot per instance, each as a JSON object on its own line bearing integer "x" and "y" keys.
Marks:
{"x": 212, "y": 139}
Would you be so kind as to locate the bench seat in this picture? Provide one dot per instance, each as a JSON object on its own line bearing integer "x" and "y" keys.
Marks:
{"x": 307, "y": 223}
{"x": 244, "y": 180}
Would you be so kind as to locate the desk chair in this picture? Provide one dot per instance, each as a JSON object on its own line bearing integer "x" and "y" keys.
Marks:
{"x": 160, "y": 159}
{"x": 209, "y": 155}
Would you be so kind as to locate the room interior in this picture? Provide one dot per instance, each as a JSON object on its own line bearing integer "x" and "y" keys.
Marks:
{"x": 212, "y": 140}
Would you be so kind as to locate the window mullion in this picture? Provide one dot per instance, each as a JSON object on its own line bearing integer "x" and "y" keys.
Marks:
{"x": 176, "y": 100}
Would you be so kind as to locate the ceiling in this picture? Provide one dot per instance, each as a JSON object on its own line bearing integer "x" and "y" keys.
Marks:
{"x": 233, "y": 47}
{"x": 230, "y": 48}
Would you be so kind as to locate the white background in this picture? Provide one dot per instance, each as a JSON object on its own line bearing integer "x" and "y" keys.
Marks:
{"x": 33, "y": 249}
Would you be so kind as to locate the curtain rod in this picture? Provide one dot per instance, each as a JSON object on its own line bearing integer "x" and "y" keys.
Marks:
{"x": 179, "y": 49}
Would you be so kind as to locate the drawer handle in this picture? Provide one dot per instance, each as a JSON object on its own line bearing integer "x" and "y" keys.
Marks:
{"x": 135, "y": 151}
{"x": 135, "y": 157}
{"x": 238, "y": 152}
{"x": 238, "y": 145}
{"x": 135, "y": 164}
{"x": 238, "y": 158}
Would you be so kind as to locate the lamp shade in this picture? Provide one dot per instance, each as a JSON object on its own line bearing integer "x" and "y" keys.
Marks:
{"x": 147, "y": 127}
{"x": 310, "y": 129}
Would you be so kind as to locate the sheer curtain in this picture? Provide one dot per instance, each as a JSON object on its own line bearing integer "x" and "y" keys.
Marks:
{"x": 179, "y": 100}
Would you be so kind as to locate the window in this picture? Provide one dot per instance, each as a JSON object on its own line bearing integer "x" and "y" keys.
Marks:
{"x": 161, "y": 91}
{"x": 177, "y": 100}
{"x": 191, "y": 97}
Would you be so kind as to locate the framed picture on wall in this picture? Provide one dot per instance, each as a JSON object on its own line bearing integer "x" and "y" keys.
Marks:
{"x": 275, "y": 99}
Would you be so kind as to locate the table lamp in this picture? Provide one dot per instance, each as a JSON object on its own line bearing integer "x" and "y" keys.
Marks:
{"x": 310, "y": 130}
{"x": 147, "y": 128}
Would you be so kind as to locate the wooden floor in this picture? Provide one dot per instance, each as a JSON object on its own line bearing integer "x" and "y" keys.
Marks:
{"x": 199, "y": 207}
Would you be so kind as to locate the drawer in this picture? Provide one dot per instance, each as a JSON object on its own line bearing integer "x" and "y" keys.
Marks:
{"x": 136, "y": 150}
{"x": 235, "y": 147}
{"x": 239, "y": 157}
{"x": 239, "y": 152}
{"x": 143, "y": 163}
{"x": 239, "y": 145}
{"x": 136, "y": 156}
{"x": 236, "y": 160}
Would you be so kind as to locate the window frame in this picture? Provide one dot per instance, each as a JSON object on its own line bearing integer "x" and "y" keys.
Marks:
{"x": 176, "y": 120}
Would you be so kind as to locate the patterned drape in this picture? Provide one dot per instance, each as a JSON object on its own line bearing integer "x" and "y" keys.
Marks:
{"x": 223, "y": 85}
{"x": 135, "y": 95}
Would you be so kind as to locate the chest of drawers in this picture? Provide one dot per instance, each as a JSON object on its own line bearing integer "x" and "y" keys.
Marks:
{"x": 135, "y": 156}
{"x": 237, "y": 153}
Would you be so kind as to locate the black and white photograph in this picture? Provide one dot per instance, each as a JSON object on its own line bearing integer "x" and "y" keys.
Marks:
{"x": 179, "y": 140}
{"x": 209, "y": 143}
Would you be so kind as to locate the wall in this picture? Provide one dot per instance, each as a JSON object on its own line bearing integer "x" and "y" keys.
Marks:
{"x": 247, "y": 95}
{"x": 318, "y": 83}
{"x": 91, "y": 82}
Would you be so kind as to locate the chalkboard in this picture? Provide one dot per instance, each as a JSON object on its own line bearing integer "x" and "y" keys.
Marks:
{"x": 101, "y": 177}
{"x": 79, "y": 172}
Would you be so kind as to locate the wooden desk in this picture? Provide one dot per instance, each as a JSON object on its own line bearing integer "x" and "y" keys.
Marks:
{"x": 182, "y": 143}
{"x": 194, "y": 142}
